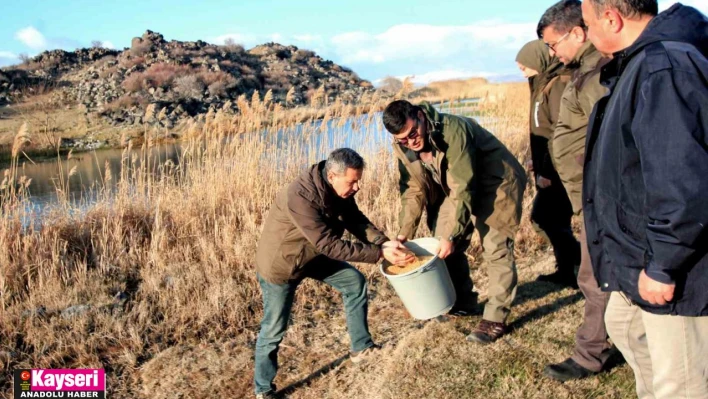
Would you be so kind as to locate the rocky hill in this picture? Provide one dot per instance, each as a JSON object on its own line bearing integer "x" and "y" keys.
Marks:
{"x": 183, "y": 78}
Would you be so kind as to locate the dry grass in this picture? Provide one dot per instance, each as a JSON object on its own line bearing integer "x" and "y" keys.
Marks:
{"x": 180, "y": 245}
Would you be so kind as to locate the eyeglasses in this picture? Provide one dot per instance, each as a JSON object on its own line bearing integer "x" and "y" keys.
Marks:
{"x": 553, "y": 46}
{"x": 411, "y": 135}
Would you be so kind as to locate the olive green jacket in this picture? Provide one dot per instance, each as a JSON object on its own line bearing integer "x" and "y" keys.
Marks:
{"x": 480, "y": 177}
{"x": 579, "y": 98}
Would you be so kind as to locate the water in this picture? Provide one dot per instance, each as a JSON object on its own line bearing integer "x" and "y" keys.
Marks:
{"x": 50, "y": 179}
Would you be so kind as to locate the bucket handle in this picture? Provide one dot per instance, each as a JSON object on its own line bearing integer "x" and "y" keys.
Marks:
{"x": 429, "y": 266}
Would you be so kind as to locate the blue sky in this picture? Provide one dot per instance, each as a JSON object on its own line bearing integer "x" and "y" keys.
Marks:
{"x": 430, "y": 40}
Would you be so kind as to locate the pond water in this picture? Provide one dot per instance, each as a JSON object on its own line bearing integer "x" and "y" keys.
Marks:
{"x": 89, "y": 168}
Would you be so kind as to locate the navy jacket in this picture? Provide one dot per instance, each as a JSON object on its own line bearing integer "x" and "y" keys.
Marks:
{"x": 646, "y": 165}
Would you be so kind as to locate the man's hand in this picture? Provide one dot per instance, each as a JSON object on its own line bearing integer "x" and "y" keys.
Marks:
{"x": 542, "y": 182}
{"x": 396, "y": 253}
{"x": 529, "y": 165}
{"x": 445, "y": 248}
{"x": 655, "y": 292}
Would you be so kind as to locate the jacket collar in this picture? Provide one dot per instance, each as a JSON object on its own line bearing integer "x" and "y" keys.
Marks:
{"x": 323, "y": 189}
{"x": 587, "y": 58}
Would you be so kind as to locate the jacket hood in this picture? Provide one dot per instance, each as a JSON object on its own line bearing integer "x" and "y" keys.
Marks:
{"x": 678, "y": 24}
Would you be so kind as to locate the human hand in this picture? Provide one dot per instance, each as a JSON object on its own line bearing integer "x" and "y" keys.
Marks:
{"x": 445, "y": 248}
{"x": 542, "y": 182}
{"x": 655, "y": 292}
{"x": 396, "y": 253}
{"x": 529, "y": 165}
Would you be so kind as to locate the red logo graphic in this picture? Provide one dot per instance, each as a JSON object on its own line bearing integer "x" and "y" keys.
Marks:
{"x": 25, "y": 375}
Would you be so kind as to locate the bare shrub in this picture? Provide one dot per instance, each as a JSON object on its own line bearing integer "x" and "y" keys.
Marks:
{"x": 179, "y": 52}
{"x": 301, "y": 56}
{"x": 391, "y": 85}
{"x": 210, "y": 51}
{"x": 232, "y": 47}
{"x": 122, "y": 102}
{"x": 128, "y": 63}
{"x": 218, "y": 83}
{"x": 162, "y": 75}
{"x": 108, "y": 72}
{"x": 97, "y": 44}
{"x": 189, "y": 87}
{"x": 141, "y": 49}
{"x": 105, "y": 60}
{"x": 134, "y": 82}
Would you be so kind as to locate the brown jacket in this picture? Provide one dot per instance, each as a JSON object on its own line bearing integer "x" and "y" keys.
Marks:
{"x": 479, "y": 176}
{"x": 307, "y": 220}
{"x": 577, "y": 103}
{"x": 544, "y": 116}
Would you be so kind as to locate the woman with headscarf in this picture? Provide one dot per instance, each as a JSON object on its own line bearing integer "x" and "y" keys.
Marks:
{"x": 552, "y": 210}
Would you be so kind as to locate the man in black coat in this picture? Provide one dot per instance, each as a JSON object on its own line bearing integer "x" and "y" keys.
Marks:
{"x": 646, "y": 190}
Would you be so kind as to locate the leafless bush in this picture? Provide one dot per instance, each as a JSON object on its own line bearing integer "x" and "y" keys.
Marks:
{"x": 232, "y": 47}
{"x": 391, "y": 85}
{"x": 133, "y": 83}
{"x": 302, "y": 56}
{"x": 128, "y": 63}
{"x": 141, "y": 49}
{"x": 189, "y": 87}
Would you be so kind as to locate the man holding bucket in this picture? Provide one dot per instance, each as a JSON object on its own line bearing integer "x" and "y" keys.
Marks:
{"x": 464, "y": 178}
{"x": 302, "y": 238}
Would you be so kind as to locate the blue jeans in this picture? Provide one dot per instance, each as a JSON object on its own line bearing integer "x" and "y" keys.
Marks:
{"x": 278, "y": 301}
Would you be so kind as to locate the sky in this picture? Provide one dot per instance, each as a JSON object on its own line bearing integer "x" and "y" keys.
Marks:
{"x": 424, "y": 40}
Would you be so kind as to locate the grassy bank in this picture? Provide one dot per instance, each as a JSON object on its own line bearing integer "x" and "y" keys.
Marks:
{"x": 157, "y": 284}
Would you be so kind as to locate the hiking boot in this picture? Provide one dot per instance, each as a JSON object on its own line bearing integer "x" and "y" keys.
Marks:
{"x": 365, "y": 355}
{"x": 561, "y": 278}
{"x": 268, "y": 395}
{"x": 566, "y": 371}
{"x": 487, "y": 332}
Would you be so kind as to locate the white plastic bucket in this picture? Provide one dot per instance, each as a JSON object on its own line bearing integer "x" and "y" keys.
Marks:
{"x": 426, "y": 292}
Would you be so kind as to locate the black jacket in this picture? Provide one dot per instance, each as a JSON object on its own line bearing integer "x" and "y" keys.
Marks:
{"x": 646, "y": 165}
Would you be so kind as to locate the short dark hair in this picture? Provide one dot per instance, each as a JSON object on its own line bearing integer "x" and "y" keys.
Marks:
{"x": 396, "y": 115}
{"x": 342, "y": 159}
{"x": 562, "y": 16}
{"x": 628, "y": 8}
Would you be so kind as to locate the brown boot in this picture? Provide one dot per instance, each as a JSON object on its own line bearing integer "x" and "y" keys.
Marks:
{"x": 487, "y": 332}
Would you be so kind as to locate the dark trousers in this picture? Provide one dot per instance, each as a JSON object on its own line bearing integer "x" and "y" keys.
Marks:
{"x": 591, "y": 346}
{"x": 551, "y": 214}
{"x": 278, "y": 301}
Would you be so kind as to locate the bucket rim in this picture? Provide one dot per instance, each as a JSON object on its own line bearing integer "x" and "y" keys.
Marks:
{"x": 421, "y": 269}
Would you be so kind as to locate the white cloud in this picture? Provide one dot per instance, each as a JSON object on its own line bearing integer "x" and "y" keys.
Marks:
{"x": 410, "y": 41}
{"x": 8, "y": 58}
{"x": 433, "y": 52}
{"x": 32, "y": 38}
{"x": 307, "y": 38}
{"x": 445, "y": 74}
{"x": 109, "y": 45}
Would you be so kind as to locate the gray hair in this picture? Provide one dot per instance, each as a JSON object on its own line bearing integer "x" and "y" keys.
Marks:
{"x": 342, "y": 159}
{"x": 628, "y": 8}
